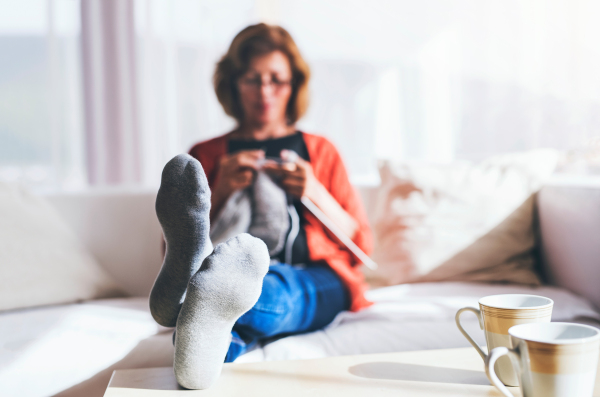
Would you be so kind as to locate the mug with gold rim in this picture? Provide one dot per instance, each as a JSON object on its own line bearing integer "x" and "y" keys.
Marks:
{"x": 550, "y": 359}
{"x": 497, "y": 314}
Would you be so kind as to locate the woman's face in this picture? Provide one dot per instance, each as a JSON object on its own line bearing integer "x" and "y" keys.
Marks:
{"x": 265, "y": 89}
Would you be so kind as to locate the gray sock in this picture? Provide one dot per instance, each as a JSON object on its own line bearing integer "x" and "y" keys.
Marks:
{"x": 270, "y": 220}
{"x": 227, "y": 285}
{"x": 182, "y": 207}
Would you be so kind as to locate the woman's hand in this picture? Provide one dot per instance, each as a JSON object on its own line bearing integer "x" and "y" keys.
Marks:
{"x": 235, "y": 172}
{"x": 295, "y": 177}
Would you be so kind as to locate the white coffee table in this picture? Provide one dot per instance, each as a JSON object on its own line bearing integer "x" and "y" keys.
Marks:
{"x": 432, "y": 373}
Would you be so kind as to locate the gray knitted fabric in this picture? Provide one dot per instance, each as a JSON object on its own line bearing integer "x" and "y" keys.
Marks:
{"x": 270, "y": 220}
{"x": 227, "y": 285}
{"x": 233, "y": 219}
{"x": 261, "y": 210}
{"x": 182, "y": 207}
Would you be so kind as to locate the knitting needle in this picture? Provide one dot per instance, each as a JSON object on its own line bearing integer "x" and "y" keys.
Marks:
{"x": 324, "y": 219}
{"x": 292, "y": 157}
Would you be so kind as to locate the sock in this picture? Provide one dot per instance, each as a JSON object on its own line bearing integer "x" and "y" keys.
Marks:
{"x": 270, "y": 220}
{"x": 227, "y": 285}
{"x": 182, "y": 207}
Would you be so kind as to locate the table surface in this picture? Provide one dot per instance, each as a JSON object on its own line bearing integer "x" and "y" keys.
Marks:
{"x": 432, "y": 373}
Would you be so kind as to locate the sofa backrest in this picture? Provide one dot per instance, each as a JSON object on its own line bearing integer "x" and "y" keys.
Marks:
{"x": 120, "y": 228}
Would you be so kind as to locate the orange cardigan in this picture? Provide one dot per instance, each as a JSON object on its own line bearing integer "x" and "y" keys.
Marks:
{"x": 330, "y": 171}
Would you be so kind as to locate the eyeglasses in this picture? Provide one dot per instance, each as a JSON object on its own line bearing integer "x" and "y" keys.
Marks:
{"x": 256, "y": 83}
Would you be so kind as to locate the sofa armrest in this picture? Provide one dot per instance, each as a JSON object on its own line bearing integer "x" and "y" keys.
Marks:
{"x": 569, "y": 216}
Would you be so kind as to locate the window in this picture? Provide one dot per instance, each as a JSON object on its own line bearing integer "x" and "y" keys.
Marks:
{"x": 41, "y": 141}
{"x": 403, "y": 80}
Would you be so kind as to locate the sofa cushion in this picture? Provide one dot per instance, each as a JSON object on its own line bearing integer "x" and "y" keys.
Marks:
{"x": 413, "y": 317}
{"x": 46, "y": 350}
{"x": 77, "y": 346}
{"x": 41, "y": 261}
{"x": 459, "y": 222}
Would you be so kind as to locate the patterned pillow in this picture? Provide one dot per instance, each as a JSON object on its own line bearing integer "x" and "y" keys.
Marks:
{"x": 460, "y": 221}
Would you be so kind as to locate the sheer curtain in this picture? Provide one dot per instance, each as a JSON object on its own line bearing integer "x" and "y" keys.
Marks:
{"x": 422, "y": 81}
{"x": 429, "y": 80}
{"x": 41, "y": 134}
{"x": 111, "y": 118}
{"x": 438, "y": 80}
{"x": 178, "y": 44}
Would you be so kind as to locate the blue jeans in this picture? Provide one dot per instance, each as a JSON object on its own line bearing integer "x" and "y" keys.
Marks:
{"x": 293, "y": 300}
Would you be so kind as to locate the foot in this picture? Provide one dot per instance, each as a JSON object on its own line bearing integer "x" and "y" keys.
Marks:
{"x": 227, "y": 285}
{"x": 182, "y": 207}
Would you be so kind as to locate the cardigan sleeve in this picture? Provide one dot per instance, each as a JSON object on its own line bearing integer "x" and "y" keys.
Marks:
{"x": 208, "y": 154}
{"x": 333, "y": 175}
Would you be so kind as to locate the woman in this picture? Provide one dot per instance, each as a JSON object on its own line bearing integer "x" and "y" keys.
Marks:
{"x": 262, "y": 82}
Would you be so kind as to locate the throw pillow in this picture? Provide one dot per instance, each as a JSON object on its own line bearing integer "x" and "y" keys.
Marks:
{"x": 460, "y": 221}
{"x": 41, "y": 261}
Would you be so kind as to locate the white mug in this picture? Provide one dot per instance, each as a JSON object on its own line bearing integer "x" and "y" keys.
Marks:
{"x": 551, "y": 359}
{"x": 496, "y": 314}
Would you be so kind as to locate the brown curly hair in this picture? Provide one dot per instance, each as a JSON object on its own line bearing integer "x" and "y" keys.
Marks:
{"x": 256, "y": 40}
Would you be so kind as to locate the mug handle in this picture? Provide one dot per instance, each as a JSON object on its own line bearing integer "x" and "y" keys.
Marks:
{"x": 494, "y": 355}
{"x": 462, "y": 330}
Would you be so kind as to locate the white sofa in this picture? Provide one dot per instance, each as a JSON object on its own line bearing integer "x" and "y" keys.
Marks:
{"x": 71, "y": 350}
